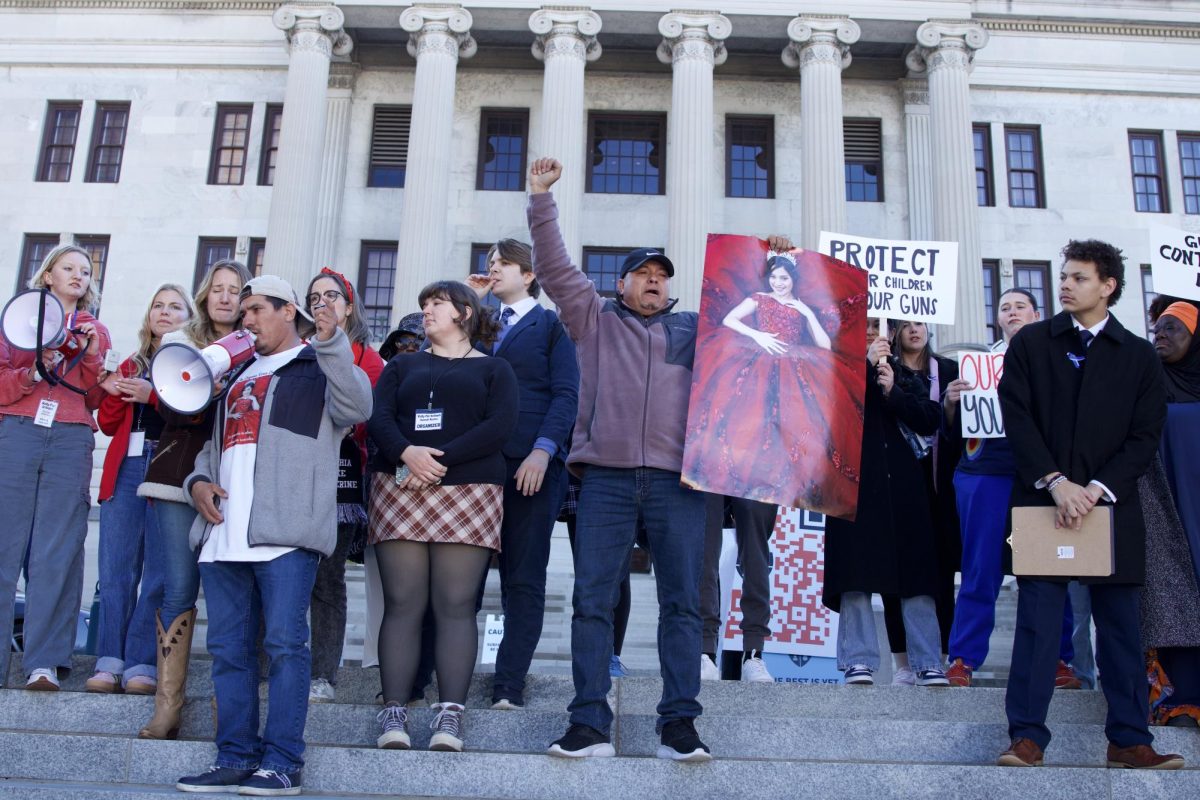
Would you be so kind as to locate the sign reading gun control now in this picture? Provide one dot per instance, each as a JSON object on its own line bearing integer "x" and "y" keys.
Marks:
{"x": 905, "y": 280}
{"x": 1175, "y": 262}
{"x": 979, "y": 408}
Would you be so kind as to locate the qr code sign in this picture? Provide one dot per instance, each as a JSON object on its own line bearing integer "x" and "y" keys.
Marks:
{"x": 800, "y": 624}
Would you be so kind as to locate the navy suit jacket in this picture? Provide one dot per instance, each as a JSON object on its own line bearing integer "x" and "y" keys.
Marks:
{"x": 543, "y": 357}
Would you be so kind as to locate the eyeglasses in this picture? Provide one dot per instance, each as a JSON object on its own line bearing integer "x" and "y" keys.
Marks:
{"x": 331, "y": 296}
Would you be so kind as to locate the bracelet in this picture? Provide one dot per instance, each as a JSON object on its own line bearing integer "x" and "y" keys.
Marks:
{"x": 1050, "y": 486}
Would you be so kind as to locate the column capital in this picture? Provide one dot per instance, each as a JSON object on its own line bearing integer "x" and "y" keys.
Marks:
{"x": 314, "y": 26}
{"x": 946, "y": 44}
{"x": 693, "y": 35}
{"x": 438, "y": 27}
{"x": 565, "y": 31}
{"x": 820, "y": 39}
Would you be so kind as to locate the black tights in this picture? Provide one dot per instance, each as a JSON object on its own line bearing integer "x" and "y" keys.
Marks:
{"x": 447, "y": 577}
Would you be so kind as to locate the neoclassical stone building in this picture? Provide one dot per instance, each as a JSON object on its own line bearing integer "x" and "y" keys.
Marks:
{"x": 390, "y": 139}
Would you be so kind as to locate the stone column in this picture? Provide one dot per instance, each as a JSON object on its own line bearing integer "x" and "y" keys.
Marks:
{"x": 566, "y": 41}
{"x": 945, "y": 51}
{"x": 916, "y": 150}
{"x": 333, "y": 169}
{"x": 440, "y": 35}
{"x": 820, "y": 47}
{"x": 692, "y": 45}
{"x": 314, "y": 33}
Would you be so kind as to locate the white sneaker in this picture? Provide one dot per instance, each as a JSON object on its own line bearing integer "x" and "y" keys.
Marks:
{"x": 709, "y": 671}
{"x": 755, "y": 671}
{"x": 903, "y": 676}
{"x": 43, "y": 679}
{"x": 320, "y": 691}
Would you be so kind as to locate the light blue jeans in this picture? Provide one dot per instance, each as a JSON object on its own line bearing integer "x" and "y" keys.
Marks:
{"x": 130, "y": 552}
{"x": 858, "y": 642}
{"x": 44, "y": 497}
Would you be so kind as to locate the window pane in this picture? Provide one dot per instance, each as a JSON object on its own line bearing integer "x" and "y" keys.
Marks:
{"x": 229, "y": 155}
{"x": 750, "y": 144}
{"x": 377, "y": 281}
{"x": 502, "y": 150}
{"x": 625, "y": 149}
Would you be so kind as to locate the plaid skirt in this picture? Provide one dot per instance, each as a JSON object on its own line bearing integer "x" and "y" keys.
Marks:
{"x": 467, "y": 514}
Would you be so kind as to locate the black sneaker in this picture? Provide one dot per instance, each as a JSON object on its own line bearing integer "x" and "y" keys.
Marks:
{"x": 215, "y": 781}
{"x": 269, "y": 783}
{"x": 680, "y": 742}
{"x": 507, "y": 703}
{"x": 582, "y": 741}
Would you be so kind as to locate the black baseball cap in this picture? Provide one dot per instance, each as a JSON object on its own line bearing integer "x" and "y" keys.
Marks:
{"x": 641, "y": 256}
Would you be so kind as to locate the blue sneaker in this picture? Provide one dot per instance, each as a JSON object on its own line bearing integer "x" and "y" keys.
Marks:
{"x": 616, "y": 668}
{"x": 269, "y": 783}
{"x": 215, "y": 780}
{"x": 859, "y": 675}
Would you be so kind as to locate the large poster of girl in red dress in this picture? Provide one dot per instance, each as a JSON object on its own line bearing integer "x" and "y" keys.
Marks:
{"x": 776, "y": 407}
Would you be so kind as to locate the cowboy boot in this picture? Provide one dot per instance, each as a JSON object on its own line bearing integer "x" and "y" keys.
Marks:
{"x": 174, "y": 649}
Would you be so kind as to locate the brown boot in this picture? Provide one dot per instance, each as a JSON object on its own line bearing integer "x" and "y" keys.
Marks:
{"x": 174, "y": 649}
{"x": 1141, "y": 756}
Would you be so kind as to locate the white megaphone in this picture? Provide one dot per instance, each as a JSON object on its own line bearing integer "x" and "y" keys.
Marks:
{"x": 185, "y": 377}
{"x": 19, "y": 321}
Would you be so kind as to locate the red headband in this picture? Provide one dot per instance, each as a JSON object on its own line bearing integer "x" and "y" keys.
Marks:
{"x": 342, "y": 278}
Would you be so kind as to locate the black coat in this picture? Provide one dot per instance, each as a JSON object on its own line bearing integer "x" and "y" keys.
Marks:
{"x": 889, "y": 548}
{"x": 1099, "y": 422}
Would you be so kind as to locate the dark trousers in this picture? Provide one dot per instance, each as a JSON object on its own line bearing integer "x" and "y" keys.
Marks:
{"x": 1118, "y": 655}
{"x": 754, "y": 523}
{"x": 524, "y": 553}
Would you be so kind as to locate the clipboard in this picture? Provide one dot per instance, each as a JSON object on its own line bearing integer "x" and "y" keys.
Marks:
{"x": 1038, "y": 548}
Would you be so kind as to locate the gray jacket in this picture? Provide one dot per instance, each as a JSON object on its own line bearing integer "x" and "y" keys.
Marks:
{"x": 310, "y": 403}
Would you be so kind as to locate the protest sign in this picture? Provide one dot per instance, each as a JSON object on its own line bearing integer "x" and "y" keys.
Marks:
{"x": 1175, "y": 262}
{"x": 905, "y": 280}
{"x": 979, "y": 409}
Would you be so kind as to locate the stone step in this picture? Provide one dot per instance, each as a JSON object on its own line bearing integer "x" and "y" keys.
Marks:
{"x": 529, "y": 731}
{"x": 331, "y": 771}
{"x": 640, "y": 695}
{"x": 73, "y": 790}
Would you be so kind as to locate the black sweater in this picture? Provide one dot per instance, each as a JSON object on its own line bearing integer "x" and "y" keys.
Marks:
{"x": 479, "y": 403}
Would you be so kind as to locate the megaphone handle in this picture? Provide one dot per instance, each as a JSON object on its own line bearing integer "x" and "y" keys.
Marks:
{"x": 50, "y": 377}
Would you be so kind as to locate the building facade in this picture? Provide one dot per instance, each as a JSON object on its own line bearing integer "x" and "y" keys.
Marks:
{"x": 390, "y": 140}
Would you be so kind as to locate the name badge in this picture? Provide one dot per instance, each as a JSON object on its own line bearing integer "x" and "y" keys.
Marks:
{"x": 428, "y": 419}
{"x": 112, "y": 361}
{"x": 45, "y": 413}
{"x": 137, "y": 444}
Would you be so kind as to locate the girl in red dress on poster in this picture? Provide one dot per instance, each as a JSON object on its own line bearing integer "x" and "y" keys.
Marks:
{"x": 782, "y": 417}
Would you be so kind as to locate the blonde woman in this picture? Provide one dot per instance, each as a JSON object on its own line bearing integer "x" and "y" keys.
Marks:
{"x": 218, "y": 313}
{"x": 130, "y": 544}
{"x": 47, "y": 435}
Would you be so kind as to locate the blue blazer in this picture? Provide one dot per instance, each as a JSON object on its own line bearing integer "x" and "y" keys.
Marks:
{"x": 543, "y": 357}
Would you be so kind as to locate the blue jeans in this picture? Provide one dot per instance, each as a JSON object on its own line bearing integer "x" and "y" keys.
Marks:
{"x": 610, "y": 503}
{"x": 238, "y": 595}
{"x": 983, "y": 512}
{"x": 44, "y": 497}
{"x": 180, "y": 574}
{"x": 858, "y": 642}
{"x": 1079, "y": 609}
{"x": 130, "y": 551}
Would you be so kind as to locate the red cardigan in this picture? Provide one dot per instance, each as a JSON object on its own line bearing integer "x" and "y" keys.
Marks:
{"x": 116, "y": 420}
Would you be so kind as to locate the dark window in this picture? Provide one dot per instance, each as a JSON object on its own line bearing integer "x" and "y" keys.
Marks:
{"x": 376, "y": 285}
{"x": 58, "y": 141}
{"x": 502, "y": 138}
{"x": 750, "y": 157}
{"x": 272, "y": 125}
{"x": 629, "y": 153}
{"x": 211, "y": 250}
{"x": 97, "y": 246}
{"x": 1189, "y": 167}
{"x": 985, "y": 194}
{"x": 1035, "y": 276}
{"x": 1024, "y": 151}
{"x": 991, "y": 297}
{"x": 603, "y": 266}
{"x": 389, "y": 146}
{"x": 479, "y": 264}
{"x": 258, "y": 248}
{"x": 1148, "y": 294}
{"x": 1149, "y": 180}
{"x": 108, "y": 142}
{"x": 864, "y": 160}
{"x": 33, "y": 251}
{"x": 231, "y": 134}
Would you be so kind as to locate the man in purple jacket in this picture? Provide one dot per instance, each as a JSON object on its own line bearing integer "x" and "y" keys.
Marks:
{"x": 635, "y": 357}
